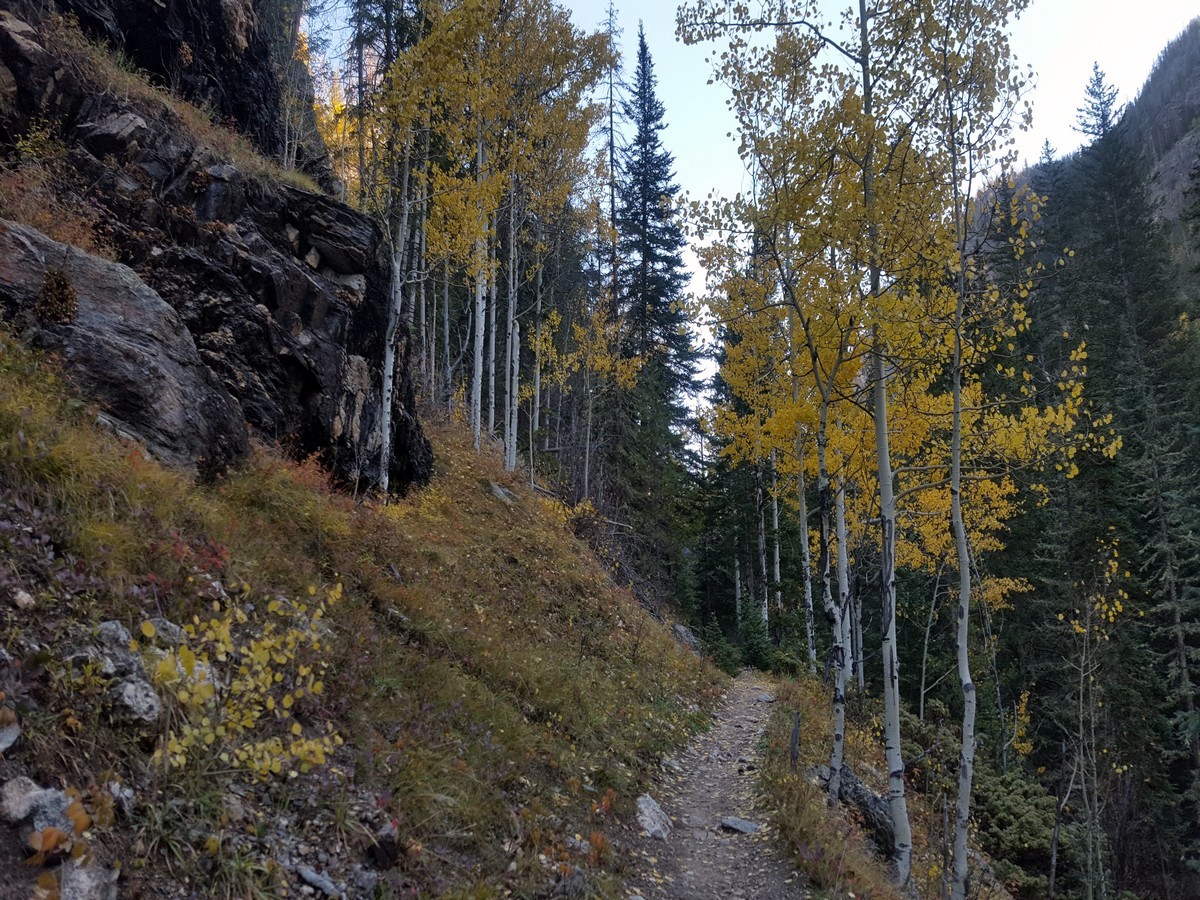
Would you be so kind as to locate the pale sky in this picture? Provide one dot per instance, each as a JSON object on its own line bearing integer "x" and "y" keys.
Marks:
{"x": 1059, "y": 38}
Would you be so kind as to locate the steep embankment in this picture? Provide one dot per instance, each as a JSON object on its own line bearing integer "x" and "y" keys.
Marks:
{"x": 435, "y": 696}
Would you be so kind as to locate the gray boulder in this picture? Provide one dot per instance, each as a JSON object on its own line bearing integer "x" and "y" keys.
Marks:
{"x": 739, "y": 825}
{"x": 87, "y": 880}
{"x": 126, "y": 349}
{"x": 686, "y": 637}
{"x": 134, "y": 699}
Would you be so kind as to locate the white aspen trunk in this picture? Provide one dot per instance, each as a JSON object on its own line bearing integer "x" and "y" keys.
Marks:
{"x": 493, "y": 290}
{"x": 395, "y": 312}
{"x": 937, "y": 584}
{"x": 422, "y": 326}
{"x": 587, "y": 443}
{"x": 764, "y": 602}
{"x": 838, "y": 649}
{"x": 448, "y": 387}
{"x": 431, "y": 341}
{"x": 898, "y": 803}
{"x": 514, "y": 387}
{"x": 806, "y": 564}
{"x": 481, "y": 263}
{"x": 841, "y": 656}
{"x": 860, "y": 675}
{"x": 535, "y": 409}
{"x": 775, "y": 539}
{"x": 966, "y": 764}
{"x": 512, "y": 346}
{"x": 558, "y": 421}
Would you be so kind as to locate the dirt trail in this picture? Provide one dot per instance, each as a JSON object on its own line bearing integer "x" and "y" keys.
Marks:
{"x": 714, "y": 779}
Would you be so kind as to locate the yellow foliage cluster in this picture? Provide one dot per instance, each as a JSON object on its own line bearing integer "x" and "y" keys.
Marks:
{"x": 245, "y": 678}
{"x": 1106, "y": 598}
{"x": 1022, "y": 743}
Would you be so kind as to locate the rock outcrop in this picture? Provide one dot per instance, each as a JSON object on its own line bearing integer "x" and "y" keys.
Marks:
{"x": 249, "y": 302}
{"x": 126, "y": 349}
{"x": 225, "y": 54}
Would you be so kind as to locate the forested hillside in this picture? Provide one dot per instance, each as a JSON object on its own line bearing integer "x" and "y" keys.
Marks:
{"x": 1030, "y": 338}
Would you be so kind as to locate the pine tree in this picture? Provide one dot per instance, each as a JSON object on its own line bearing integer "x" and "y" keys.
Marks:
{"x": 651, "y": 243}
{"x": 650, "y": 480}
{"x": 1099, "y": 112}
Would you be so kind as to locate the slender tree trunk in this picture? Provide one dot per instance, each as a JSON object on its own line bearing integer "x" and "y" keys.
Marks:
{"x": 535, "y": 409}
{"x": 760, "y": 505}
{"x": 737, "y": 583}
{"x": 775, "y": 563}
{"x": 587, "y": 443}
{"x": 902, "y": 850}
{"x": 493, "y": 290}
{"x": 937, "y": 584}
{"x": 860, "y": 674}
{"x": 806, "y": 565}
{"x": 511, "y": 352}
{"x": 966, "y": 762}
{"x": 838, "y": 649}
{"x": 612, "y": 167}
{"x": 481, "y": 279}
{"x": 841, "y": 634}
{"x": 898, "y": 803}
{"x": 1060, "y": 806}
{"x": 395, "y": 312}
{"x": 449, "y": 386}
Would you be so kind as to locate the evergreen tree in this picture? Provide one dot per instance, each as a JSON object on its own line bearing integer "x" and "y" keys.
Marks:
{"x": 650, "y": 481}
{"x": 1099, "y": 112}
{"x": 653, "y": 275}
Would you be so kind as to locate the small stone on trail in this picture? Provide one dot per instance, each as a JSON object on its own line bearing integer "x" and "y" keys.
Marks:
{"x": 652, "y": 819}
{"x": 733, "y": 823}
{"x": 22, "y": 600}
{"x": 765, "y": 698}
{"x": 88, "y": 881}
{"x": 8, "y": 735}
{"x": 318, "y": 881}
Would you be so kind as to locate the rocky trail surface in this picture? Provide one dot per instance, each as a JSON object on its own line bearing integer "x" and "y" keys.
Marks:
{"x": 717, "y": 843}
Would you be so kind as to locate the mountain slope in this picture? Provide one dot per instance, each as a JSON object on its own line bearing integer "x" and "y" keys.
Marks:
{"x": 434, "y": 696}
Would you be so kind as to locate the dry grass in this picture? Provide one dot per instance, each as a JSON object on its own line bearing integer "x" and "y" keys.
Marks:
{"x": 830, "y": 846}
{"x": 31, "y": 192}
{"x": 496, "y": 692}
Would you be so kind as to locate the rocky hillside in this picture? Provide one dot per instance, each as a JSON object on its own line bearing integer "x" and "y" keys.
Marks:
{"x": 1164, "y": 122}
{"x": 191, "y": 291}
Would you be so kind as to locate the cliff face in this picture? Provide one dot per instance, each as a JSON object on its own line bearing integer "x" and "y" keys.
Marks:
{"x": 217, "y": 53}
{"x": 281, "y": 294}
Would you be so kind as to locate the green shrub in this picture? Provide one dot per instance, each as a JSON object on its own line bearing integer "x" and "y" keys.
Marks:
{"x": 726, "y": 656}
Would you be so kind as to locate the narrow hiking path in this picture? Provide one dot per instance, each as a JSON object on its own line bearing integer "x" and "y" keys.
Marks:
{"x": 714, "y": 779}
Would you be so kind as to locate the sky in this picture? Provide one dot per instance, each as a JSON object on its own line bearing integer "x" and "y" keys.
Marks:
{"x": 1060, "y": 39}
